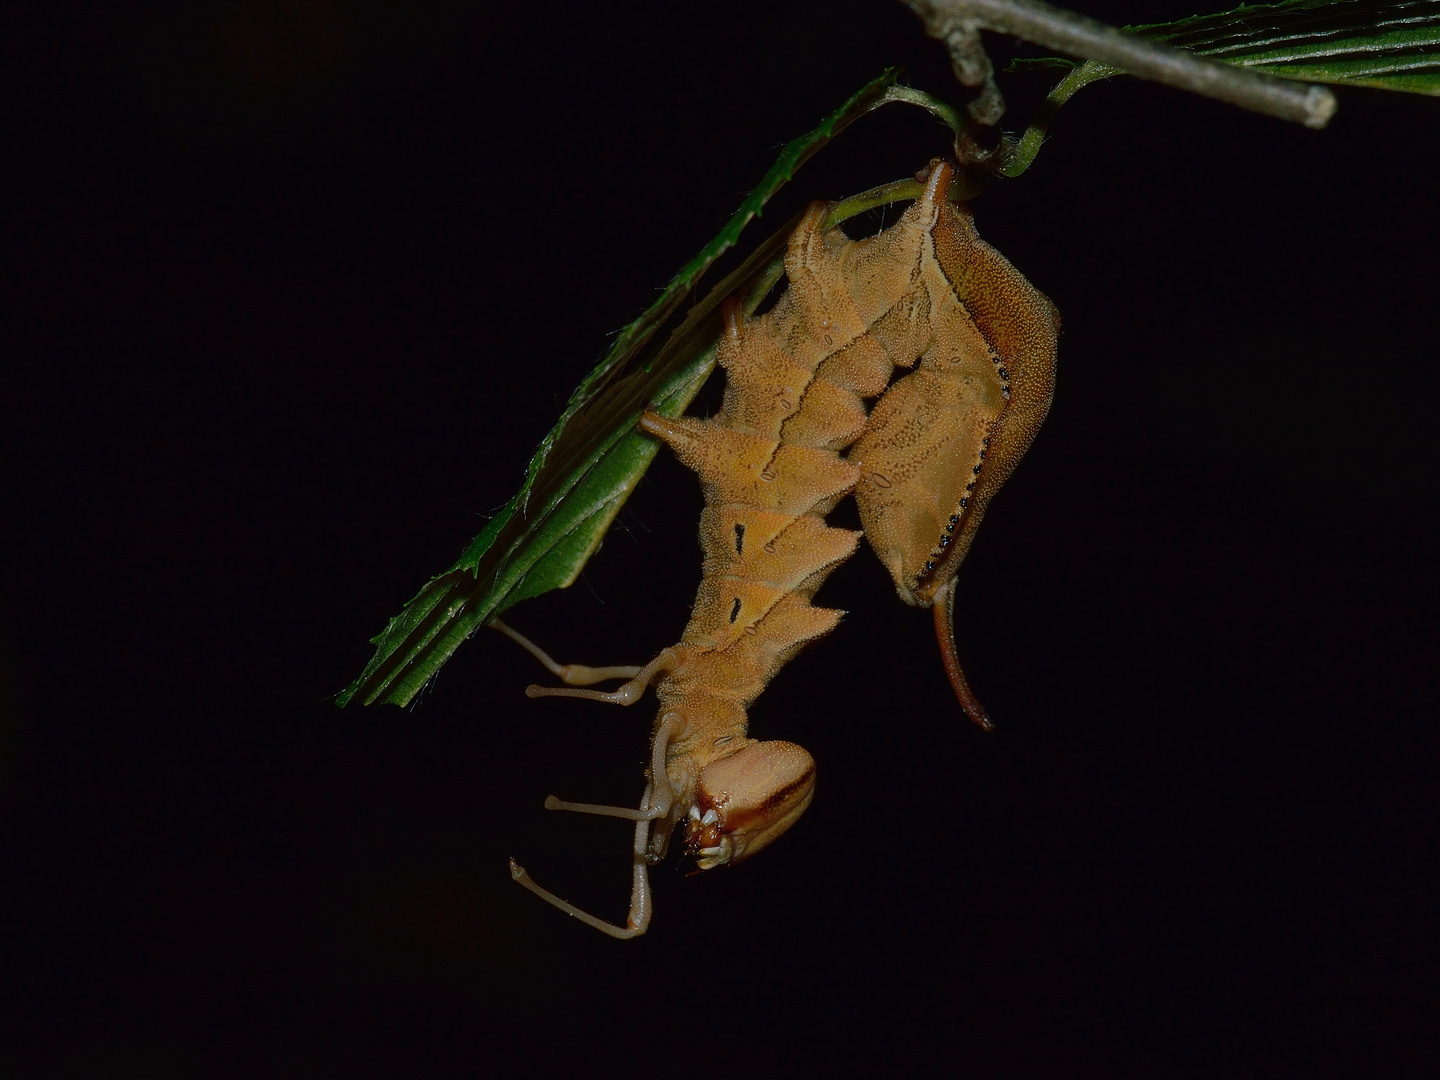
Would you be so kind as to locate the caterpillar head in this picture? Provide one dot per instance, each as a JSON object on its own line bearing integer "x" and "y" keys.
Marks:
{"x": 746, "y": 800}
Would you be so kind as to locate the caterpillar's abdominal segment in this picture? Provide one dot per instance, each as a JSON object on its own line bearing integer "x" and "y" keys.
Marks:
{"x": 772, "y": 463}
{"x": 946, "y": 436}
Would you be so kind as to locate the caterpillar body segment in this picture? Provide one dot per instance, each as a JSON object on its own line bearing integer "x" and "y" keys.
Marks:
{"x": 946, "y": 436}
{"x": 953, "y": 430}
{"x": 773, "y": 462}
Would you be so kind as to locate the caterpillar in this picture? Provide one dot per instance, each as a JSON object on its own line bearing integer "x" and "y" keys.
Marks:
{"x": 924, "y": 294}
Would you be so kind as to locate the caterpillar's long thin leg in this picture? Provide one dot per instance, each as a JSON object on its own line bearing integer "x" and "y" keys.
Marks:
{"x": 658, "y": 799}
{"x": 944, "y": 608}
{"x": 627, "y": 694}
{"x": 573, "y": 674}
{"x": 638, "y": 920}
{"x": 600, "y": 810}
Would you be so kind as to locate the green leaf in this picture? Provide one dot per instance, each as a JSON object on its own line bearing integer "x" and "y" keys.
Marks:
{"x": 1391, "y": 45}
{"x": 590, "y": 462}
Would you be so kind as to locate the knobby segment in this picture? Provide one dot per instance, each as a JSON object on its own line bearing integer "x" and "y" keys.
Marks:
{"x": 944, "y": 438}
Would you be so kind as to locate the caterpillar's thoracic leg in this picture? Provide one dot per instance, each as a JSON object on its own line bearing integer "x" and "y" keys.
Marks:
{"x": 658, "y": 801}
{"x": 627, "y": 694}
{"x": 639, "y": 918}
{"x": 574, "y": 674}
{"x": 600, "y": 810}
{"x": 944, "y": 608}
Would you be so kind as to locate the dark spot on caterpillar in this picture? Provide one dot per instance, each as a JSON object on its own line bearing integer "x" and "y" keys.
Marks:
{"x": 977, "y": 468}
{"x": 982, "y": 455}
{"x": 950, "y": 525}
{"x": 1004, "y": 374}
{"x": 964, "y": 502}
{"x": 930, "y": 566}
{"x": 739, "y": 539}
{"x": 735, "y": 611}
{"x": 880, "y": 481}
{"x": 970, "y": 485}
{"x": 944, "y": 541}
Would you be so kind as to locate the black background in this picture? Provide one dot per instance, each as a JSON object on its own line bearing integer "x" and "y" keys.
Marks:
{"x": 290, "y": 293}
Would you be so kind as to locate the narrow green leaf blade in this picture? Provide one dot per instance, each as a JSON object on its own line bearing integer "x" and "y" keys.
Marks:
{"x": 1392, "y": 45}
{"x": 1388, "y": 45}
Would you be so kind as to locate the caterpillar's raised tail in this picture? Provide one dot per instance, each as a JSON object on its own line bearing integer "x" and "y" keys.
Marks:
{"x": 939, "y": 444}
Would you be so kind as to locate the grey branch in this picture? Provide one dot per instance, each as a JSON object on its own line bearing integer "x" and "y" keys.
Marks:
{"x": 957, "y": 22}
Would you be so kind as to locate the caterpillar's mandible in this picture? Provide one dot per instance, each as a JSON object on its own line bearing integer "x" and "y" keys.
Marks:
{"x": 771, "y": 467}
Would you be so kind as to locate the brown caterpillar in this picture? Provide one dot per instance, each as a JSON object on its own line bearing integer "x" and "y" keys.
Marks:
{"x": 771, "y": 468}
